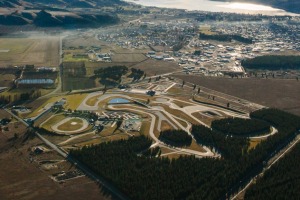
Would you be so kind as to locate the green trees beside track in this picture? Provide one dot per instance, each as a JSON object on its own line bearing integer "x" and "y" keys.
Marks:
{"x": 147, "y": 177}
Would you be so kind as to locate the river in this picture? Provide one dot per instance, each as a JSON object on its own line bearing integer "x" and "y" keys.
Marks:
{"x": 213, "y": 6}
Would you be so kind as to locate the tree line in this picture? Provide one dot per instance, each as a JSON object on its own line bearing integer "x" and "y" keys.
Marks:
{"x": 225, "y": 38}
{"x": 272, "y": 62}
{"x": 111, "y": 75}
{"x": 281, "y": 181}
{"x": 241, "y": 127}
{"x": 16, "y": 97}
{"x": 150, "y": 177}
{"x": 178, "y": 138}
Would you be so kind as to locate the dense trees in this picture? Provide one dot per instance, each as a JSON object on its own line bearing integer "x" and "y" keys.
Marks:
{"x": 241, "y": 127}
{"x": 19, "y": 97}
{"x": 145, "y": 178}
{"x": 176, "y": 138}
{"x": 282, "y": 181}
{"x": 225, "y": 38}
{"x": 141, "y": 175}
{"x": 136, "y": 74}
{"x": 111, "y": 75}
{"x": 228, "y": 147}
{"x": 272, "y": 62}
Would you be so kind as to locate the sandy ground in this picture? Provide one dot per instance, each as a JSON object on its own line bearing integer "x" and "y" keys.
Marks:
{"x": 279, "y": 93}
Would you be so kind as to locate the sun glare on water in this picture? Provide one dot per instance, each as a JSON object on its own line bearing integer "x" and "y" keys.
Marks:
{"x": 248, "y": 6}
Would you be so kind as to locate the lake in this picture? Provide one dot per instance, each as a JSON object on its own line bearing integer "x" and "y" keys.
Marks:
{"x": 213, "y": 6}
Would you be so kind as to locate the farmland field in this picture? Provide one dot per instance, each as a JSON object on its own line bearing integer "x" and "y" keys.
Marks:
{"x": 278, "y": 93}
{"x": 6, "y": 80}
{"x": 128, "y": 57}
{"x": 22, "y": 51}
{"x": 152, "y": 67}
{"x": 22, "y": 179}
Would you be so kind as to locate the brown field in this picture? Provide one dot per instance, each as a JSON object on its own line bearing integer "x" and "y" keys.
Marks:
{"x": 86, "y": 40}
{"x": 152, "y": 67}
{"x": 165, "y": 150}
{"x": 145, "y": 127}
{"x": 21, "y": 179}
{"x": 104, "y": 139}
{"x": 182, "y": 104}
{"x": 6, "y": 80}
{"x": 279, "y": 93}
{"x": 183, "y": 123}
{"x": 4, "y": 114}
{"x": 203, "y": 118}
{"x": 179, "y": 114}
{"x": 93, "y": 100}
{"x": 165, "y": 126}
{"x": 52, "y": 121}
{"x": 254, "y": 142}
{"x": 22, "y": 51}
{"x": 196, "y": 147}
{"x": 128, "y": 57}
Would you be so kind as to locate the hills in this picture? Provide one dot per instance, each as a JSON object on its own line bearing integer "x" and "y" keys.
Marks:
{"x": 66, "y": 3}
{"x": 63, "y": 13}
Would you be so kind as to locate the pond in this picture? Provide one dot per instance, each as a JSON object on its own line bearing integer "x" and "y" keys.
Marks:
{"x": 118, "y": 101}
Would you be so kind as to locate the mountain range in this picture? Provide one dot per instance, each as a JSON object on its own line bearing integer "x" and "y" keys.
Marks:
{"x": 82, "y": 13}
{"x": 51, "y": 13}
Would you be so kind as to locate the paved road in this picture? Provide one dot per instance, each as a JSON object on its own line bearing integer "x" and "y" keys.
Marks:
{"x": 225, "y": 96}
{"x": 188, "y": 110}
{"x": 281, "y": 155}
{"x": 274, "y": 131}
{"x": 208, "y": 153}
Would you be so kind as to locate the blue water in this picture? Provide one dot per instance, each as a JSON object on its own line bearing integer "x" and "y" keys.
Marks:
{"x": 118, "y": 101}
{"x": 213, "y": 6}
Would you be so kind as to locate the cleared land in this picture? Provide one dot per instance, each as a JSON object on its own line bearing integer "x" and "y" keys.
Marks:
{"x": 22, "y": 51}
{"x": 128, "y": 57}
{"x": 279, "y": 93}
{"x": 6, "y": 80}
{"x": 22, "y": 179}
{"x": 152, "y": 67}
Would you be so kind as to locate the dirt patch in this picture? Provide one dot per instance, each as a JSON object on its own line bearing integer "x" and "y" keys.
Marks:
{"x": 279, "y": 93}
